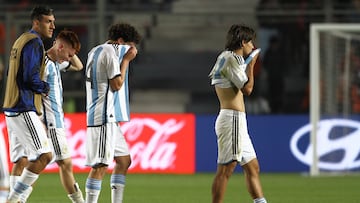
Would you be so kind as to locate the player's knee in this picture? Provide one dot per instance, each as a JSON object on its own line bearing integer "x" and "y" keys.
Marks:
{"x": 65, "y": 164}
{"x": 226, "y": 170}
{"x": 123, "y": 162}
{"x": 128, "y": 163}
{"x": 98, "y": 171}
{"x": 22, "y": 162}
{"x": 45, "y": 158}
{"x": 252, "y": 171}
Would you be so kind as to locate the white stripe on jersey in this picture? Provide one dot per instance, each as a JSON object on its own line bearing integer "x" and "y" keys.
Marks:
{"x": 53, "y": 115}
{"x": 103, "y": 104}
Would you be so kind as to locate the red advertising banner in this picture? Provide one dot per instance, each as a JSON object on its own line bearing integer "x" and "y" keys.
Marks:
{"x": 158, "y": 143}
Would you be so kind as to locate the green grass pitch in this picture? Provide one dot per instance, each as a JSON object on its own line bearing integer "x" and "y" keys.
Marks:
{"x": 157, "y": 188}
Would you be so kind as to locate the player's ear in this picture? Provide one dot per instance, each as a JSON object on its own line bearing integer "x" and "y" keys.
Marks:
{"x": 242, "y": 43}
{"x": 61, "y": 45}
{"x": 36, "y": 22}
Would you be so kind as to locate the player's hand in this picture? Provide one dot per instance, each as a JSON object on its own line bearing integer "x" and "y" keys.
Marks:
{"x": 131, "y": 53}
{"x": 256, "y": 56}
{"x": 253, "y": 56}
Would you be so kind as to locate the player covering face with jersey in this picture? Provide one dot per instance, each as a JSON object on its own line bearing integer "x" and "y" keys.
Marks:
{"x": 232, "y": 76}
{"x": 107, "y": 96}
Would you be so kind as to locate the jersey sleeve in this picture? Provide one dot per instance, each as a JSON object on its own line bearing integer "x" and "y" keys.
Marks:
{"x": 236, "y": 72}
{"x": 64, "y": 66}
{"x": 32, "y": 59}
{"x": 113, "y": 64}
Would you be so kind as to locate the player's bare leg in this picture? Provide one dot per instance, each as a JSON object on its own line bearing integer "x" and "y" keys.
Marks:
{"x": 19, "y": 166}
{"x": 29, "y": 175}
{"x": 252, "y": 179}
{"x": 223, "y": 174}
{"x": 117, "y": 182}
{"x": 68, "y": 181}
{"x": 93, "y": 183}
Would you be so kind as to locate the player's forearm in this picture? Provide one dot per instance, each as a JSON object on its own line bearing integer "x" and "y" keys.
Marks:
{"x": 117, "y": 82}
{"x": 249, "y": 85}
{"x": 76, "y": 64}
{"x": 124, "y": 66}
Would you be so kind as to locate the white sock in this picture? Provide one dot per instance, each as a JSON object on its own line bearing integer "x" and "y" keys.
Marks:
{"x": 13, "y": 180}
{"x": 77, "y": 196}
{"x": 21, "y": 188}
{"x": 3, "y": 196}
{"x": 4, "y": 191}
{"x": 15, "y": 194}
{"x": 93, "y": 188}
{"x": 92, "y": 195}
{"x": 27, "y": 177}
{"x": 260, "y": 200}
{"x": 27, "y": 192}
{"x": 117, "y": 184}
{"x": 117, "y": 191}
{"x": 24, "y": 196}
{"x": 5, "y": 182}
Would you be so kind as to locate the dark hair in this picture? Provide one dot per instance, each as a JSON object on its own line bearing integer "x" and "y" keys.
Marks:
{"x": 125, "y": 31}
{"x": 38, "y": 11}
{"x": 70, "y": 37}
{"x": 237, "y": 34}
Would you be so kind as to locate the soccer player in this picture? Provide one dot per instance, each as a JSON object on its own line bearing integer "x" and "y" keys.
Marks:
{"x": 108, "y": 104}
{"x": 233, "y": 78}
{"x": 64, "y": 49}
{"x": 4, "y": 171}
{"x": 29, "y": 145}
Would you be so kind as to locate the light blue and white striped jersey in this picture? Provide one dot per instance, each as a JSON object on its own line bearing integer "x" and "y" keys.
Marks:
{"x": 103, "y": 104}
{"x": 229, "y": 71}
{"x": 53, "y": 114}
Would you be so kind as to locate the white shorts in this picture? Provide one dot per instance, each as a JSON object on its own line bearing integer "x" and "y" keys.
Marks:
{"x": 103, "y": 143}
{"x": 234, "y": 143}
{"x": 4, "y": 166}
{"x": 59, "y": 145}
{"x": 27, "y": 136}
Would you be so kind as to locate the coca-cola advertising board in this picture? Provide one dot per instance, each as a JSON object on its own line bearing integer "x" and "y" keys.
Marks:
{"x": 158, "y": 143}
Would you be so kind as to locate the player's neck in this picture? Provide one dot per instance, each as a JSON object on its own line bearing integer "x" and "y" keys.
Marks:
{"x": 50, "y": 54}
{"x": 239, "y": 52}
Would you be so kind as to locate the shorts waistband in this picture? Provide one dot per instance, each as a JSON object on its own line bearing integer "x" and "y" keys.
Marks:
{"x": 231, "y": 112}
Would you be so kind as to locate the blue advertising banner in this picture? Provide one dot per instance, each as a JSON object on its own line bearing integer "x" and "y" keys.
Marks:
{"x": 270, "y": 135}
{"x": 282, "y": 143}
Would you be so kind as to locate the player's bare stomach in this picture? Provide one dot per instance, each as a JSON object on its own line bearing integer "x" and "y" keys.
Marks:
{"x": 230, "y": 98}
{"x": 235, "y": 107}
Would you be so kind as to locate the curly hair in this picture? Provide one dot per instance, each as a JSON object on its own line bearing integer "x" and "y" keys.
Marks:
{"x": 237, "y": 34}
{"x": 125, "y": 31}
